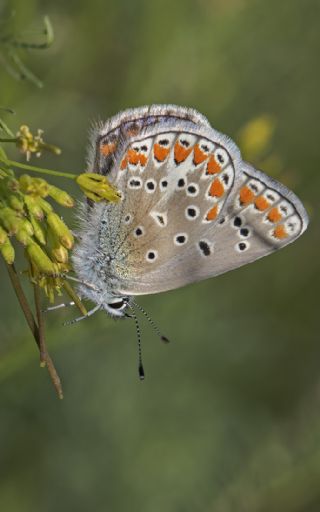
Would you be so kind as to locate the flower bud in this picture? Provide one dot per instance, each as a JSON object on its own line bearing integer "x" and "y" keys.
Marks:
{"x": 60, "y": 196}
{"x": 3, "y": 236}
{"x": 27, "y": 226}
{"x": 23, "y": 237}
{"x": 60, "y": 229}
{"x": 34, "y": 206}
{"x": 46, "y": 207}
{"x": 35, "y": 186}
{"x": 39, "y": 258}
{"x": 7, "y": 251}
{"x": 97, "y": 187}
{"x": 39, "y": 232}
{"x": 60, "y": 254}
{"x": 10, "y": 220}
{"x": 16, "y": 202}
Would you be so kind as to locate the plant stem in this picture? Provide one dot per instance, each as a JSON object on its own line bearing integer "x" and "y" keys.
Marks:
{"x": 38, "y": 169}
{"x": 42, "y": 341}
{"x": 72, "y": 294}
{"x": 33, "y": 326}
{"x": 22, "y": 300}
{"x": 9, "y": 140}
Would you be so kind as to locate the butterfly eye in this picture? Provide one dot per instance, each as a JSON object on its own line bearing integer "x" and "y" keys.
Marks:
{"x": 117, "y": 305}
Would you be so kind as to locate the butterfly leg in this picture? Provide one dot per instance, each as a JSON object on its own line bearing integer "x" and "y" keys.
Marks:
{"x": 91, "y": 312}
{"x": 80, "y": 281}
{"x": 59, "y": 306}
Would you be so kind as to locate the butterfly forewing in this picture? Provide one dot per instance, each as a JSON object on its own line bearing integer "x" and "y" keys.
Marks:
{"x": 174, "y": 186}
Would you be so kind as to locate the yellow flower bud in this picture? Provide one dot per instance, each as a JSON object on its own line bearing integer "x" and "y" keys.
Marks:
{"x": 46, "y": 207}
{"x": 61, "y": 230}
{"x": 60, "y": 254}
{"x": 34, "y": 186}
{"x": 16, "y": 202}
{"x": 26, "y": 184}
{"x": 3, "y": 236}
{"x": 60, "y": 196}
{"x": 97, "y": 187}
{"x": 7, "y": 251}
{"x": 39, "y": 232}
{"x": 34, "y": 206}
{"x": 39, "y": 259}
{"x": 23, "y": 236}
{"x": 27, "y": 226}
{"x": 10, "y": 220}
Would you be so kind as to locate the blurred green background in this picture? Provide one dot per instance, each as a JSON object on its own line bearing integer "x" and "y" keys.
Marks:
{"x": 228, "y": 418}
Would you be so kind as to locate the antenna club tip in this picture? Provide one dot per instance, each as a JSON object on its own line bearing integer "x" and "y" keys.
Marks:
{"x": 141, "y": 373}
{"x": 165, "y": 339}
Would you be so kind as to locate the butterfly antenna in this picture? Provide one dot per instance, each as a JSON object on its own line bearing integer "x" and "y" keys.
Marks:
{"x": 151, "y": 322}
{"x": 140, "y": 365}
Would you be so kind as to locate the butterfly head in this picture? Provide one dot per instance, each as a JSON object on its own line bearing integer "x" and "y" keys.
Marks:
{"x": 116, "y": 306}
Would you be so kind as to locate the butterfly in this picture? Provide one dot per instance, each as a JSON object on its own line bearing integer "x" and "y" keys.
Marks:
{"x": 190, "y": 208}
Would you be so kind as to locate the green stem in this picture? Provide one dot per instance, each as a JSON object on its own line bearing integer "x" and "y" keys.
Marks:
{"x": 9, "y": 140}
{"x": 27, "y": 167}
{"x": 41, "y": 328}
{"x": 33, "y": 326}
{"x": 72, "y": 294}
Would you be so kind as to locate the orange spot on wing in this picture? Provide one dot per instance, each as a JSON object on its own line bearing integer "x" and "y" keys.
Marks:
{"x": 261, "y": 203}
{"x": 211, "y": 215}
{"x": 246, "y": 195}
{"x": 213, "y": 167}
{"x": 133, "y": 156}
{"x": 124, "y": 163}
{"x": 216, "y": 189}
{"x": 107, "y": 149}
{"x": 142, "y": 160}
{"x": 181, "y": 153}
{"x": 280, "y": 232}
{"x": 160, "y": 152}
{"x": 274, "y": 215}
{"x": 198, "y": 155}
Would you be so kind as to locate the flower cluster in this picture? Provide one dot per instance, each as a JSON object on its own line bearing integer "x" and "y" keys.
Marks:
{"x": 26, "y": 215}
{"x": 33, "y": 144}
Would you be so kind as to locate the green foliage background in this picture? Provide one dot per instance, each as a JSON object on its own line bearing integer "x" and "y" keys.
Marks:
{"x": 228, "y": 417}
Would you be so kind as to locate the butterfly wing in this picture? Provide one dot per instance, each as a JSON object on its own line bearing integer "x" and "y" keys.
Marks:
{"x": 174, "y": 185}
{"x": 191, "y": 208}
